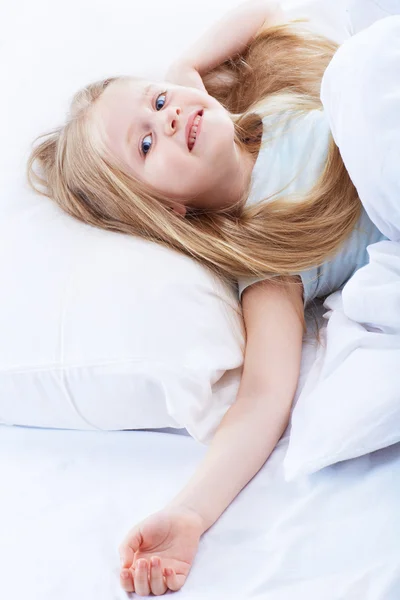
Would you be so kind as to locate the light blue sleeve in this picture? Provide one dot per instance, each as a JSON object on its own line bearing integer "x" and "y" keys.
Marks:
{"x": 309, "y": 280}
{"x": 329, "y": 277}
{"x": 244, "y": 282}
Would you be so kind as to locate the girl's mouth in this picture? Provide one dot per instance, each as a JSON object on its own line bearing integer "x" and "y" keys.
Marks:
{"x": 195, "y": 130}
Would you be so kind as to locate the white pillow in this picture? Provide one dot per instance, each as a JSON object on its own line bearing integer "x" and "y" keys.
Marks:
{"x": 99, "y": 329}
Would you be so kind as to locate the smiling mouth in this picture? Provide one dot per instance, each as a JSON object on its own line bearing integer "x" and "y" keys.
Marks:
{"x": 194, "y": 130}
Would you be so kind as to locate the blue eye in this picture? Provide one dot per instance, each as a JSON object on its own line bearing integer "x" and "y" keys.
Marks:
{"x": 146, "y": 144}
{"x": 163, "y": 94}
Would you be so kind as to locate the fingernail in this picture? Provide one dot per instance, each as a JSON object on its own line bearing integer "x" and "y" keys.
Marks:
{"x": 155, "y": 562}
{"x": 124, "y": 574}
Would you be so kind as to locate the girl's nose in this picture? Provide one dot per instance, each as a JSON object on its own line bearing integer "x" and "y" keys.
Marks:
{"x": 172, "y": 120}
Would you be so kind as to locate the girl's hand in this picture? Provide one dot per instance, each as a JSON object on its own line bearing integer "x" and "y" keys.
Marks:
{"x": 157, "y": 554}
{"x": 183, "y": 74}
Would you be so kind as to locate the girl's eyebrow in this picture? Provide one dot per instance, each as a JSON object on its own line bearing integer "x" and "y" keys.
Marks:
{"x": 131, "y": 129}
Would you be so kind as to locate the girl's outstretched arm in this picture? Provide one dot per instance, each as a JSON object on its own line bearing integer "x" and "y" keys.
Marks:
{"x": 253, "y": 425}
{"x": 157, "y": 554}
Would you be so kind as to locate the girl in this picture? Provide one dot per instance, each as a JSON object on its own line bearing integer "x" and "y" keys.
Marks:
{"x": 231, "y": 161}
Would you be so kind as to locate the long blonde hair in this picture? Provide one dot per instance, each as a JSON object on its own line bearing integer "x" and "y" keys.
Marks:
{"x": 282, "y": 66}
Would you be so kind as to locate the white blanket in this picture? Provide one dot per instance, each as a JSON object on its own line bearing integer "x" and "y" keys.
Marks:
{"x": 351, "y": 402}
{"x": 361, "y": 95}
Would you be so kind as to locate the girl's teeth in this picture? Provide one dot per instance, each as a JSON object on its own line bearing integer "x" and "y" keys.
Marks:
{"x": 195, "y": 124}
{"x": 193, "y": 133}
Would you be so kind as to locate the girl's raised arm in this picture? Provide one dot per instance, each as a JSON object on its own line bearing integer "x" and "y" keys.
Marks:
{"x": 231, "y": 34}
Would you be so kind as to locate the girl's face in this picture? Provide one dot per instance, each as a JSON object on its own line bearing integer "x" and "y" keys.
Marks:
{"x": 146, "y": 125}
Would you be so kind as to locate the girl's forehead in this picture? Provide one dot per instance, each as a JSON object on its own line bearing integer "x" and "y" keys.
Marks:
{"x": 117, "y": 94}
{"x": 130, "y": 89}
{"x": 125, "y": 84}
{"x": 114, "y": 111}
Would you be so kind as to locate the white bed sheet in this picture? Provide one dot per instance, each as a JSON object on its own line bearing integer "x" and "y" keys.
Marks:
{"x": 69, "y": 497}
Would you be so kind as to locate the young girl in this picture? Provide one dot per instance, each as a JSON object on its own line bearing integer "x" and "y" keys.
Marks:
{"x": 231, "y": 161}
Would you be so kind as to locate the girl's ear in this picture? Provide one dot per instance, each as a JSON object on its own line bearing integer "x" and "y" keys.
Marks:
{"x": 179, "y": 209}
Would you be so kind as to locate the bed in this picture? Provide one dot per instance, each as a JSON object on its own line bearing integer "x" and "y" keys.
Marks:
{"x": 68, "y": 498}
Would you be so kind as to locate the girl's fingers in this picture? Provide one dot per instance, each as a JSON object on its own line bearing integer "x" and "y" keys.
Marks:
{"x": 174, "y": 582}
{"x": 157, "y": 582}
{"x": 142, "y": 587}
{"x": 126, "y": 580}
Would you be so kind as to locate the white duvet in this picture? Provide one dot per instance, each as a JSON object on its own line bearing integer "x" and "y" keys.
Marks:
{"x": 351, "y": 404}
